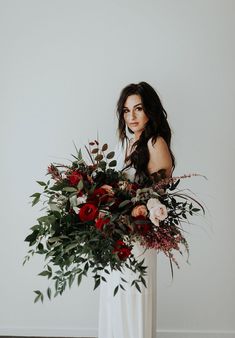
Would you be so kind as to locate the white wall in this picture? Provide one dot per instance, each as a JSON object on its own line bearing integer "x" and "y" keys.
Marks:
{"x": 63, "y": 65}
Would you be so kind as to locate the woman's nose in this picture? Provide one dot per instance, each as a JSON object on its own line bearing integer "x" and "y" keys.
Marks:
{"x": 132, "y": 115}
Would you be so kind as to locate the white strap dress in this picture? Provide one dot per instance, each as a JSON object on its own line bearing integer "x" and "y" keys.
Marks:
{"x": 129, "y": 314}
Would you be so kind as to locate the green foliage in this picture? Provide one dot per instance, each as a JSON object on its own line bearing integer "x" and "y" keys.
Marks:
{"x": 72, "y": 247}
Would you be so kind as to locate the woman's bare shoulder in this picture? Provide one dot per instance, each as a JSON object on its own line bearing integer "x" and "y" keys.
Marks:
{"x": 159, "y": 155}
{"x": 158, "y": 145}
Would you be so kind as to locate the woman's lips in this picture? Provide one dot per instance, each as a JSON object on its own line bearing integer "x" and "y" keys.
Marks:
{"x": 133, "y": 124}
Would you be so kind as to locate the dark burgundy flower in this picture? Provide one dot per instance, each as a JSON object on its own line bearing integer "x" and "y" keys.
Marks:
{"x": 116, "y": 201}
{"x": 88, "y": 212}
{"x": 143, "y": 226}
{"x": 74, "y": 177}
{"x": 123, "y": 251}
{"x": 98, "y": 195}
{"x": 134, "y": 186}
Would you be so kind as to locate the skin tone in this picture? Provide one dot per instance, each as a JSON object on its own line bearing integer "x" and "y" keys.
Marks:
{"x": 134, "y": 115}
{"x": 136, "y": 119}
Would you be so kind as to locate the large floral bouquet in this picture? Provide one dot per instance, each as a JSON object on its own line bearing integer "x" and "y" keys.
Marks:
{"x": 93, "y": 215}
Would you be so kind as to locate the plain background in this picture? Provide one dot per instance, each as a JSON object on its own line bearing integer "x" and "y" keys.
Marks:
{"x": 62, "y": 67}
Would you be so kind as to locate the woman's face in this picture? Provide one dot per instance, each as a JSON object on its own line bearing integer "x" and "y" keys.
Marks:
{"x": 134, "y": 115}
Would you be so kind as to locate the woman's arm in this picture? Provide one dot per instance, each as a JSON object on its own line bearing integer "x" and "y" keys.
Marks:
{"x": 159, "y": 156}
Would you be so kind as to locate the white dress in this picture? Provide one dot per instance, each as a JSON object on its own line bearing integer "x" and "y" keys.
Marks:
{"x": 129, "y": 314}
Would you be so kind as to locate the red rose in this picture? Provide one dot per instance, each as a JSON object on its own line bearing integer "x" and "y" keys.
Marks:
{"x": 122, "y": 250}
{"x": 108, "y": 189}
{"x": 88, "y": 212}
{"x": 100, "y": 222}
{"x": 98, "y": 195}
{"x": 74, "y": 177}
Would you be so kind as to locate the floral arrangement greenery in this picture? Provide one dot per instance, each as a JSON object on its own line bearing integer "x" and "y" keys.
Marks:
{"x": 93, "y": 215}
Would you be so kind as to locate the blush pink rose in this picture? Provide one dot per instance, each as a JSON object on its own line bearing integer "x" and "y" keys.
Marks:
{"x": 153, "y": 217}
{"x": 153, "y": 202}
{"x": 102, "y": 214}
{"x": 139, "y": 210}
{"x": 158, "y": 213}
{"x": 108, "y": 189}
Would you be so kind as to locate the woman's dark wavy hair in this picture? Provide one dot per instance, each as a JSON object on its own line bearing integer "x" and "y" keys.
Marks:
{"x": 157, "y": 125}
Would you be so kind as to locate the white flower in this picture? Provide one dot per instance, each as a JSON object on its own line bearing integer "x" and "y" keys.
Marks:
{"x": 76, "y": 209}
{"x": 157, "y": 211}
{"x": 153, "y": 217}
{"x": 152, "y": 202}
{"x": 75, "y": 201}
{"x": 81, "y": 199}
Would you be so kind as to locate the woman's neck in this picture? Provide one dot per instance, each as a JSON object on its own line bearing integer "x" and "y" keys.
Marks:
{"x": 136, "y": 136}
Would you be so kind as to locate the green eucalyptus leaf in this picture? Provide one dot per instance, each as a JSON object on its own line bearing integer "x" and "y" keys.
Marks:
{"x": 69, "y": 189}
{"x": 143, "y": 281}
{"x": 54, "y": 239}
{"x": 36, "y": 194}
{"x": 195, "y": 209}
{"x": 44, "y": 273}
{"x": 70, "y": 247}
{"x": 97, "y": 283}
{"x": 137, "y": 287}
{"x": 49, "y": 293}
{"x": 49, "y": 268}
{"x": 80, "y": 185}
{"x": 40, "y": 246}
{"x": 116, "y": 290}
{"x": 122, "y": 287}
{"x": 41, "y": 183}
{"x": 35, "y": 200}
{"x": 71, "y": 279}
{"x": 36, "y": 298}
{"x": 32, "y": 237}
{"x": 124, "y": 203}
{"x": 102, "y": 164}
{"x": 39, "y": 296}
{"x": 79, "y": 279}
{"x": 35, "y": 227}
{"x": 113, "y": 163}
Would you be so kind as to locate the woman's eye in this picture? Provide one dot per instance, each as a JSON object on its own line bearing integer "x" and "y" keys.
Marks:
{"x": 139, "y": 108}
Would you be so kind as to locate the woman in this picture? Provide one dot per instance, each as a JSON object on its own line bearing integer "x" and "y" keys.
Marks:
{"x": 131, "y": 314}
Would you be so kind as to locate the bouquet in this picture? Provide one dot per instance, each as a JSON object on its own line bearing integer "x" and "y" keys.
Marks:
{"x": 93, "y": 215}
